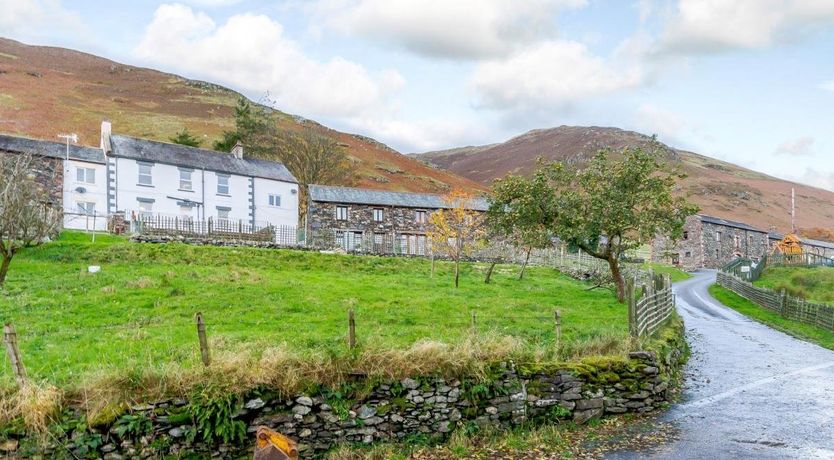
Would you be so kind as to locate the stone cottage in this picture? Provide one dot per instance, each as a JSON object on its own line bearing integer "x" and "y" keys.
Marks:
{"x": 377, "y": 221}
{"x": 711, "y": 242}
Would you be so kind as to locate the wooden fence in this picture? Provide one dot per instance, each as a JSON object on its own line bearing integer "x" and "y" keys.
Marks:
{"x": 787, "y": 306}
{"x": 649, "y": 306}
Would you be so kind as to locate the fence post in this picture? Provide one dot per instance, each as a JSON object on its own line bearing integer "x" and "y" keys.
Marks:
{"x": 783, "y": 302}
{"x": 558, "y": 319}
{"x": 632, "y": 307}
{"x": 351, "y": 330}
{"x": 474, "y": 321}
{"x": 201, "y": 334}
{"x": 10, "y": 337}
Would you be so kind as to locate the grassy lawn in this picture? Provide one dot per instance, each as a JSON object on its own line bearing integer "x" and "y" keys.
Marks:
{"x": 797, "y": 329}
{"x": 815, "y": 284}
{"x": 674, "y": 273}
{"x": 138, "y": 312}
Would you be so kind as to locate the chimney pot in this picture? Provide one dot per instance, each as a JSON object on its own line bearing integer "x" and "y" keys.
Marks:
{"x": 237, "y": 150}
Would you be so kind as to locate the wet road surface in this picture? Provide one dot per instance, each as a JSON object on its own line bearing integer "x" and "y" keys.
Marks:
{"x": 750, "y": 391}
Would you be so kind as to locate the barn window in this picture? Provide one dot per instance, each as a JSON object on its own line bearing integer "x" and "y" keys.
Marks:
{"x": 420, "y": 217}
{"x": 341, "y": 213}
{"x": 378, "y": 215}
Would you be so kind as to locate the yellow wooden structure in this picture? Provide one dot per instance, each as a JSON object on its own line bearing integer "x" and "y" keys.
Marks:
{"x": 271, "y": 445}
{"x": 789, "y": 245}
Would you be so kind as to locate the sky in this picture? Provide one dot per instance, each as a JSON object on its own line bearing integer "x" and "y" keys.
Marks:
{"x": 746, "y": 81}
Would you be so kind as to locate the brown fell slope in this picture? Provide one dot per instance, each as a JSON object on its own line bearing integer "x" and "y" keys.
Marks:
{"x": 45, "y": 91}
{"x": 721, "y": 189}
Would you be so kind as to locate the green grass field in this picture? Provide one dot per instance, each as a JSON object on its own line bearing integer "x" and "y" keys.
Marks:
{"x": 815, "y": 284}
{"x": 797, "y": 329}
{"x": 138, "y": 312}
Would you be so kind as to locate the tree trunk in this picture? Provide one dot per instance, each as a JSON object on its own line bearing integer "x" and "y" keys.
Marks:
{"x": 489, "y": 272}
{"x": 4, "y": 268}
{"x": 619, "y": 282}
{"x": 457, "y": 272}
{"x": 526, "y": 259}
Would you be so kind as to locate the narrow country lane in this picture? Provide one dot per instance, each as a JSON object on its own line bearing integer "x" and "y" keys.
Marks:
{"x": 750, "y": 391}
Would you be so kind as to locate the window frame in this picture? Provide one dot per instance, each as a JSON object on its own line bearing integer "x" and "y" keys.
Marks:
{"x": 381, "y": 212}
{"x": 339, "y": 213}
{"x": 85, "y": 210}
{"x": 225, "y": 209}
{"x": 149, "y": 174}
{"x": 146, "y": 203}
{"x": 86, "y": 172}
{"x": 421, "y": 216}
{"x": 277, "y": 198}
{"x": 189, "y": 182}
{"x": 228, "y": 185}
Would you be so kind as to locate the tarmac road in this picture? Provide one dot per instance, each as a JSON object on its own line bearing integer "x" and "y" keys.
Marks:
{"x": 750, "y": 391}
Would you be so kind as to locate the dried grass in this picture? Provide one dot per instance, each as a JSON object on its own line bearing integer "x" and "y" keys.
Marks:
{"x": 35, "y": 404}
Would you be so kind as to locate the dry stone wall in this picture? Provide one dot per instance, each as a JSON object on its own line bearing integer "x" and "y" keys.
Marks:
{"x": 396, "y": 411}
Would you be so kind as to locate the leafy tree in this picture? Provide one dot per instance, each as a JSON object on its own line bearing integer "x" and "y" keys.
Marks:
{"x": 457, "y": 230}
{"x": 186, "y": 138}
{"x": 27, "y": 215}
{"x": 521, "y": 211}
{"x": 614, "y": 205}
{"x": 252, "y": 127}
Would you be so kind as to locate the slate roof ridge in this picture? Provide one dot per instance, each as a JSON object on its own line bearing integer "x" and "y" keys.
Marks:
{"x": 52, "y": 149}
{"x": 356, "y": 195}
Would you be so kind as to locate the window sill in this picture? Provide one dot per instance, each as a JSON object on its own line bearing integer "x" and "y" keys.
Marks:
{"x": 145, "y": 185}
{"x": 224, "y": 195}
{"x": 184, "y": 190}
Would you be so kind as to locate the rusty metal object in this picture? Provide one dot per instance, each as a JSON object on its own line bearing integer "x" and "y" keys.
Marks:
{"x": 271, "y": 445}
{"x": 790, "y": 244}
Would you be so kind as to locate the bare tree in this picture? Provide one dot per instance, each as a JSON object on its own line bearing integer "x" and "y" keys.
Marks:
{"x": 313, "y": 159}
{"x": 27, "y": 215}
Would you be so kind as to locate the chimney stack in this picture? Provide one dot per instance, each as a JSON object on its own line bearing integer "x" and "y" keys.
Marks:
{"x": 237, "y": 150}
{"x": 106, "y": 130}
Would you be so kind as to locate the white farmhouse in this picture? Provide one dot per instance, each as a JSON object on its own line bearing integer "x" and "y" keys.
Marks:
{"x": 156, "y": 178}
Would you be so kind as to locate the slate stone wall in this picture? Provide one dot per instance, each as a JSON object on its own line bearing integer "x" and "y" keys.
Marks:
{"x": 429, "y": 407}
{"x": 322, "y": 217}
{"x": 709, "y": 245}
{"x": 49, "y": 173}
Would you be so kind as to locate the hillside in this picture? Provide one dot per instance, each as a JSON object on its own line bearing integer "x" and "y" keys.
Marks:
{"x": 45, "y": 91}
{"x": 721, "y": 189}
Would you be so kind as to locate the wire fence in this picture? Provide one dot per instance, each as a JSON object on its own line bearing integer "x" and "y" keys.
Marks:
{"x": 736, "y": 278}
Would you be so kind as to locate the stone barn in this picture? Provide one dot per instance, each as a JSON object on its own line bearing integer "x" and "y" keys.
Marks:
{"x": 711, "y": 242}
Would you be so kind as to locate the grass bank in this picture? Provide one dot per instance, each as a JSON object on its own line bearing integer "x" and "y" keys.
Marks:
{"x": 797, "y": 329}
{"x": 137, "y": 314}
{"x": 815, "y": 284}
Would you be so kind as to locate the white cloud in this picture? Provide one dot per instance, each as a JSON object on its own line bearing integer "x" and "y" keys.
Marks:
{"x": 251, "y": 52}
{"x": 816, "y": 178}
{"x": 549, "y": 76}
{"x": 469, "y": 29}
{"x": 36, "y": 20}
{"x": 707, "y": 26}
{"x": 651, "y": 119}
{"x": 827, "y": 86}
{"x": 803, "y": 146}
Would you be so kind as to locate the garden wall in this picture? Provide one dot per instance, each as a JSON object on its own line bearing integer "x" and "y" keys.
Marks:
{"x": 404, "y": 410}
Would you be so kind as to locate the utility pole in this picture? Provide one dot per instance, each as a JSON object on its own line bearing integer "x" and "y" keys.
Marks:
{"x": 793, "y": 210}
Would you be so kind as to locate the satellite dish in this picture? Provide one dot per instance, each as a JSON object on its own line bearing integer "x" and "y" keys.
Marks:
{"x": 81, "y": 190}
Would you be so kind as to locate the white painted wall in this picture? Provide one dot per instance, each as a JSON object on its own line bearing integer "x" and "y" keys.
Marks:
{"x": 166, "y": 184}
{"x": 94, "y": 192}
{"x": 287, "y": 213}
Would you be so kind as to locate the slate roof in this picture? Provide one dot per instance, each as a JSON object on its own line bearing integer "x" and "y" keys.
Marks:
{"x": 190, "y": 157}
{"x": 50, "y": 149}
{"x": 729, "y": 223}
{"x": 350, "y": 195}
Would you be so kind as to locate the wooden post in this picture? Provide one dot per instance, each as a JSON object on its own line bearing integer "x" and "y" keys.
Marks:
{"x": 632, "y": 307}
{"x": 783, "y": 302}
{"x": 351, "y": 330}
{"x": 201, "y": 334}
{"x": 474, "y": 320}
{"x": 10, "y": 337}
{"x": 558, "y": 318}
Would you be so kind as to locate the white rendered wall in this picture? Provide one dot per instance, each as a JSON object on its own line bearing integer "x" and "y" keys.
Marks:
{"x": 287, "y": 213}
{"x": 92, "y": 193}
